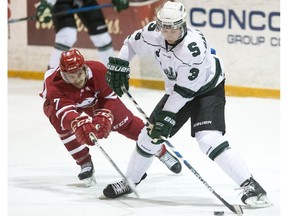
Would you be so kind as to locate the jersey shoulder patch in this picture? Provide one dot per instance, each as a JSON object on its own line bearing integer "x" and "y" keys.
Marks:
{"x": 193, "y": 50}
{"x": 150, "y": 34}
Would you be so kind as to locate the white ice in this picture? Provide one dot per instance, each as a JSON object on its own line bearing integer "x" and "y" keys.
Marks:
{"x": 42, "y": 177}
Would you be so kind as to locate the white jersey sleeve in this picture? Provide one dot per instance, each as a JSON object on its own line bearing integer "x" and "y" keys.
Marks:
{"x": 141, "y": 42}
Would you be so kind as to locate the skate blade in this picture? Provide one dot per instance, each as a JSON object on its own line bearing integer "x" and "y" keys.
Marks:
{"x": 102, "y": 197}
{"x": 89, "y": 182}
{"x": 258, "y": 202}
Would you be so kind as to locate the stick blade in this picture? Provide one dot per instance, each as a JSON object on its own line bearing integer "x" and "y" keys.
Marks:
{"x": 238, "y": 210}
{"x": 132, "y": 186}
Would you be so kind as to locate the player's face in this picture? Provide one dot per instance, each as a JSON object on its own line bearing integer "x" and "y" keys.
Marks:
{"x": 77, "y": 79}
{"x": 171, "y": 35}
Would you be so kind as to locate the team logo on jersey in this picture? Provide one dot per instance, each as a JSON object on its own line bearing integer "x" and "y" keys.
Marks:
{"x": 171, "y": 75}
{"x": 88, "y": 101}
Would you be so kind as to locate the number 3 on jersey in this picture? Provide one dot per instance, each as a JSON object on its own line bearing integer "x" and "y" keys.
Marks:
{"x": 194, "y": 74}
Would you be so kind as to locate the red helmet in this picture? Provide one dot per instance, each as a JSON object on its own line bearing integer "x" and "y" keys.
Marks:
{"x": 71, "y": 61}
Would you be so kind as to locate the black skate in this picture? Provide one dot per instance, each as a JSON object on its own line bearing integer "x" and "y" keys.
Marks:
{"x": 119, "y": 188}
{"x": 254, "y": 195}
{"x": 87, "y": 174}
{"x": 171, "y": 162}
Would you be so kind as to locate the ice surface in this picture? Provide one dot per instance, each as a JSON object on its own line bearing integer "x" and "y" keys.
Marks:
{"x": 42, "y": 177}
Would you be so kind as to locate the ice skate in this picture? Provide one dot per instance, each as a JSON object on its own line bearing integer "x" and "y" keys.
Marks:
{"x": 171, "y": 162}
{"x": 118, "y": 189}
{"x": 254, "y": 195}
{"x": 87, "y": 174}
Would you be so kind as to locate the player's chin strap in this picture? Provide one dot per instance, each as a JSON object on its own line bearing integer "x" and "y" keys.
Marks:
{"x": 237, "y": 209}
{"x": 128, "y": 181}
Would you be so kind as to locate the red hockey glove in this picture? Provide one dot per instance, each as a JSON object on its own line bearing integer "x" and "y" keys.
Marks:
{"x": 82, "y": 126}
{"x": 103, "y": 120}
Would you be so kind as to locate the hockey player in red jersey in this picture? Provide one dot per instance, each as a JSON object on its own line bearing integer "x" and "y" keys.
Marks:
{"x": 77, "y": 101}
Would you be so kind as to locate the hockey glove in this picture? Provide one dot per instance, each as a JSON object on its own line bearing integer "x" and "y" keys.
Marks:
{"x": 164, "y": 122}
{"x": 120, "y": 5}
{"x": 103, "y": 121}
{"x": 82, "y": 126}
{"x": 118, "y": 74}
{"x": 43, "y": 12}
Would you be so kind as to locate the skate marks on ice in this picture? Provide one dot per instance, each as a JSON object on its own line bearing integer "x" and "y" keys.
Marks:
{"x": 176, "y": 195}
{"x": 69, "y": 190}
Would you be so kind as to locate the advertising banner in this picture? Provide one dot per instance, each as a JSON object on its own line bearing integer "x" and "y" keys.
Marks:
{"x": 120, "y": 24}
{"x": 246, "y": 34}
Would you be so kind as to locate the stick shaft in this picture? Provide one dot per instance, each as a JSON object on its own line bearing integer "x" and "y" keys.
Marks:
{"x": 81, "y": 10}
{"x": 70, "y": 11}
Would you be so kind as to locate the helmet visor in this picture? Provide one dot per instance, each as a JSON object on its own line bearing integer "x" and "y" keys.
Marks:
{"x": 169, "y": 25}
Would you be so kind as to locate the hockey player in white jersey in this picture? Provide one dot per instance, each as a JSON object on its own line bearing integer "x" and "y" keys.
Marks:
{"x": 194, "y": 89}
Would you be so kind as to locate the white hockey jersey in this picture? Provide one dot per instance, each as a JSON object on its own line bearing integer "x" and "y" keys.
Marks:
{"x": 189, "y": 67}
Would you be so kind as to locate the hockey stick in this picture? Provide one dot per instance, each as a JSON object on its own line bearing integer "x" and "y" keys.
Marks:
{"x": 128, "y": 181}
{"x": 70, "y": 11}
{"x": 237, "y": 209}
